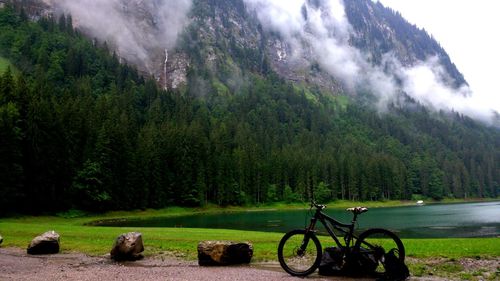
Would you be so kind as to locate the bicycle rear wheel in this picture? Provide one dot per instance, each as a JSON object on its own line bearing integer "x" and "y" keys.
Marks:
{"x": 299, "y": 253}
{"x": 376, "y": 243}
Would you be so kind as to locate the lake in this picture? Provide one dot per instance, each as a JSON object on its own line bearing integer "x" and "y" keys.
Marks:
{"x": 428, "y": 221}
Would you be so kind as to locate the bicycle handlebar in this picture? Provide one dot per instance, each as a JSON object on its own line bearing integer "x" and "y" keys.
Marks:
{"x": 317, "y": 206}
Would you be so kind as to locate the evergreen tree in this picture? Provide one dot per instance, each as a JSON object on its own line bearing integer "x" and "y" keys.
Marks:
{"x": 78, "y": 129}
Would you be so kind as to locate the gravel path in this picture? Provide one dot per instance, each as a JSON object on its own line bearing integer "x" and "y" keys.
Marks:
{"x": 15, "y": 264}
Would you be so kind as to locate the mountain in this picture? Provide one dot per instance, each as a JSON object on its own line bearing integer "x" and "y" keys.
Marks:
{"x": 257, "y": 102}
{"x": 233, "y": 28}
{"x": 204, "y": 31}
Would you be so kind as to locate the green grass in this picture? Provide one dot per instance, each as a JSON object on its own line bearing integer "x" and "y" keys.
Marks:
{"x": 183, "y": 241}
{"x": 453, "y": 248}
{"x": 78, "y": 237}
{"x": 98, "y": 240}
{"x": 438, "y": 257}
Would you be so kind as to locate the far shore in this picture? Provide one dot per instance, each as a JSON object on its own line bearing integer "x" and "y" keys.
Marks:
{"x": 338, "y": 204}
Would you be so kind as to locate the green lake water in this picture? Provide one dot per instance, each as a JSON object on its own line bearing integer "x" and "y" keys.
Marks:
{"x": 428, "y": 221}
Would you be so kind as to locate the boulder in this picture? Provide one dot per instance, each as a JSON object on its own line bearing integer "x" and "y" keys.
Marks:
{"x": 224, "y": 253}
{"x": 47, "y": 243}
{"x": 128, "y": 247}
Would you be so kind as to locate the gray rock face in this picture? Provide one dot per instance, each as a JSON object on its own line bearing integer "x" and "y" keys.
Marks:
{"x": 224, "y": 253}
{"x": 128, "y": 246}
{"x": 175, "y": 67}
{"x": 34, "y": 9}
{"x": 47, "y": 243}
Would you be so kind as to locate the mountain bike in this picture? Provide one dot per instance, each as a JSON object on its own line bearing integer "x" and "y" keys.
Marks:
{"x": 300, "y": 251}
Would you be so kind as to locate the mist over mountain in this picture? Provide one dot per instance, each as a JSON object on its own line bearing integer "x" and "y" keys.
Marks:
{"x": 344, "y": 46}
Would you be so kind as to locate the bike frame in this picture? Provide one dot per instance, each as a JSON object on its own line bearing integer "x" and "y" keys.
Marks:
{"x": 326, "y": 220}
{"x": 354, "y": 248}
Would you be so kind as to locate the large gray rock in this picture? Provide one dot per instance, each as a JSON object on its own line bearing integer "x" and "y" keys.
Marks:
{"x": 128, "y": 246}
{"x": 47, "y": 243}
{"x": 224, "y": 253}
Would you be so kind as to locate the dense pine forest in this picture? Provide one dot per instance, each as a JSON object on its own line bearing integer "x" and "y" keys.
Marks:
{"x": 78, "y": 129}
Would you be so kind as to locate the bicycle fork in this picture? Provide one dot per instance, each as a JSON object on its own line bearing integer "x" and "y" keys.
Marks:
{"x": 305, "y": 242}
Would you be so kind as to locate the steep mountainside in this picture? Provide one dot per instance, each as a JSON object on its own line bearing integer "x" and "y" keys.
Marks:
{"x": 231, "y": 29}
{"x": 218, "y": 30}
{"x": 254, "y": 111}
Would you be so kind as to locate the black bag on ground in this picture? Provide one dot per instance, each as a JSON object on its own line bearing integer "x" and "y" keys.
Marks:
{"x": 331, "y": 262}
{"x": 395, "y": 270}
{"x": 362, "y": 263}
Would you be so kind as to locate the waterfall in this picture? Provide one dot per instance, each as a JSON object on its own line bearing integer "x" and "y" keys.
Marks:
{"x": 165, "y": 69}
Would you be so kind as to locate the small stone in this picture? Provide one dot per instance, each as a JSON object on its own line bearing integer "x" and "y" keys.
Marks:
{"x": 224, "y": 253}
{"x": 128, "y": 247}
{"x": 47, "y": 243}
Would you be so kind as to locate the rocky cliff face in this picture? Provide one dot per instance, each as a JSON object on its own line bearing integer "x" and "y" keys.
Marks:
{"x": 33, "y": 8}
{"x": 227, "y": 37}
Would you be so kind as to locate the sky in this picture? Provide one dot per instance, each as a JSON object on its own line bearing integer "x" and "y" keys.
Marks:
{"x": 468, "y": 31}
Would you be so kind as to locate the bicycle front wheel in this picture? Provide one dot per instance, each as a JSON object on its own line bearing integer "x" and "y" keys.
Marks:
{"x": 376, "y": 243}
{"x": 299, "y": 253}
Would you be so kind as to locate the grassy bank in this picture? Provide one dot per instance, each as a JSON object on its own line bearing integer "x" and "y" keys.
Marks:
{"x": 438, "y": 257}
{"x": 182, "y": 241}
{"x": 342, "y": 204}
{"x": 338, "y": 204}
{"x": 76, "y": 236}
{"x": 84, "y": 218}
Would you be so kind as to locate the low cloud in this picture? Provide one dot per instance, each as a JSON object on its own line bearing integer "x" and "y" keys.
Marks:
{"x": 425, "y": 83}
{"x": 322, "y": 28}
{"x": 136, "y": 28}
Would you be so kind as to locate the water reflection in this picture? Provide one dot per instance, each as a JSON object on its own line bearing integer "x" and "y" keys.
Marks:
{"x": 430, "y": 221}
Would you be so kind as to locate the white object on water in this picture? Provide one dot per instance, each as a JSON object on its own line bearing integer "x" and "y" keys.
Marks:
{"x": 420, "y": 202}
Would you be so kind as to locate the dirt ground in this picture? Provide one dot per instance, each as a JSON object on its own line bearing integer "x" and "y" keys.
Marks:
{"x": 15, "y": 264}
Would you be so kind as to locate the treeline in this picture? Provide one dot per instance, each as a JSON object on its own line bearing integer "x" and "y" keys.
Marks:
{"x": 80, "y": 130}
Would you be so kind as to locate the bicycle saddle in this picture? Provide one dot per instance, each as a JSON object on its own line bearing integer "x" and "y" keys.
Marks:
{"x": 357, "y": 210}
